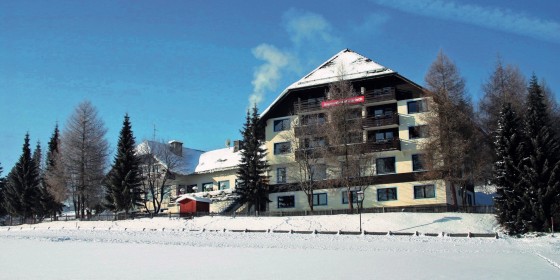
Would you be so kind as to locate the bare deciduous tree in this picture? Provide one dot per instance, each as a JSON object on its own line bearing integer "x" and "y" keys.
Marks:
{"x": 505, "y": 85}
{"x": 455, "y": 149}
{"x": 308, "y": 140}
{"x": 85, "y": 152}
{"x": 348, "y": 155}
{"x": 158, "y": 163}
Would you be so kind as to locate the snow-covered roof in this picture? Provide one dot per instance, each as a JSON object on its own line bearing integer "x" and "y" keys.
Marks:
{"x": 195, "y": 198}
{"x": 218, "y": 160}
{"x": 347, "y": 63}
{"x": 184, "y": 164}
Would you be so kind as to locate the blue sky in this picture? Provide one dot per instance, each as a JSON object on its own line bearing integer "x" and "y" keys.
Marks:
{"x": 189, "y": 68}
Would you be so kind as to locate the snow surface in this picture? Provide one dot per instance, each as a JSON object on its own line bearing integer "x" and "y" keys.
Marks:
{"x": 192, "y": 197}
{"x": 186, "y": 163}
{"x": 352, "y": 64}
{"x": 164, "y": 248}
{"x": 217, "y": 160}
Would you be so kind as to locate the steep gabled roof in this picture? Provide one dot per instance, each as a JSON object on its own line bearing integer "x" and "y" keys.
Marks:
{"x": 193, "y": 161}
{"x": 185, "y": 164}
{"x": 347, "y": 63}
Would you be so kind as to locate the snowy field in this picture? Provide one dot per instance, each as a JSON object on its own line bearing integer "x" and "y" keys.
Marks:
{"x": 174, "y": 248}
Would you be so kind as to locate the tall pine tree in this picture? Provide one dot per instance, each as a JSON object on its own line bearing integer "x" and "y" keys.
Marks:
{"x": 22, "y": 188}
{"x": 54, "y": 181}
{"x": 541, "y": 168}
{"x": 508, "y": 157}
{"x": 2, "y": 186}
{"x": 252, "y": 185}
{"x": 123, "y": 182}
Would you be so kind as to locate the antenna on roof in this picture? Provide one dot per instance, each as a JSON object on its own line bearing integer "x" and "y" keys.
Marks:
{"x": 228, "y": 143}
{"x": 154, "y": 136}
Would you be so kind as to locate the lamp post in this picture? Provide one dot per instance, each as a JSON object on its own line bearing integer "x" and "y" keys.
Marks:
{"x": 360, "y": 197}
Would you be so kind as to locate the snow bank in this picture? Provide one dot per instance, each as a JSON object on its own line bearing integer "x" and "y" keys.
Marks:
{"x": 395, "y": 222}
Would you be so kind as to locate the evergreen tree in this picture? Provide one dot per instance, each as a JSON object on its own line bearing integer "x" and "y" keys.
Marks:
{"x": 2, "y": 186}
{"x": 54, "y": 181}
{"x": 252, "y": 185}
{"x": 508, "y": 157}
{"x": 124, "y": 181}
{"x": 42, "y": 199}
{"x": 541, "y": 168}
{"x": 22, "y": 187}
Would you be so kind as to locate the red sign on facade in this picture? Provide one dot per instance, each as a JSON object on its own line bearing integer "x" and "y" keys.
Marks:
{"x": 350, "y": 100}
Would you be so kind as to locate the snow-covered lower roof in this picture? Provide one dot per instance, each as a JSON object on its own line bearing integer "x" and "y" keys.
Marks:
{"x": 182, "y": 164}
{"x": 347, "y": 63}
{"x": 218, "y": 160}
{"x": 192, "y": 197}
{"x": 191, "y": 161}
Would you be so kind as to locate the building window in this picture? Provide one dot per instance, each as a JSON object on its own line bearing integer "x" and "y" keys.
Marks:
{"x": 424, "y": 191}
{"x": 384, "y": 136}
{"x": 287, "y": 201}
{"x": 207, "y": 187}
{"x": 315, "y": 142}
{"x": 417, "y": 106}
{"x": 223, "y": 185}
{"x": 418, "y": 162}
{"x": 386, "y": 194}
{"x": 281, "y": 125}
{"x": 314, "y": 119}
{"x": 415, "y": 132}
{"x": 385, "y": 165}
{"x": 319, "y": 199}
{"x": 318, "y": 172}
{"x": 281, "y": 148}
{"x": 281, "y": 175}
{"x": 192, "y": 188}
{"x": 345, "y": 197}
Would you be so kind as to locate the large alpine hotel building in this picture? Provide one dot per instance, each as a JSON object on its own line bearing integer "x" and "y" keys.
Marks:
{"x": 392, "y": 109}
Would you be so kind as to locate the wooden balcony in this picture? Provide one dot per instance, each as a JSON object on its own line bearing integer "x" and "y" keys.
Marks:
{"x": 365, "y": 147}
{"x": 312, "y": 129}
{"x": 380, "y": 95}
{"x": 381, "y": 146}
{"x": 305, "y": 106}
{"x": 381, "y": 121}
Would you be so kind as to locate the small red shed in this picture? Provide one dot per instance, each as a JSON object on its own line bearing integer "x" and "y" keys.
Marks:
{"x": 190, "y": 204}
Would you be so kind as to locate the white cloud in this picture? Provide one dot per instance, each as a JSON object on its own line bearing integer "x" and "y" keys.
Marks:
{"x": 371, "y": 24}
{"x": 266, "y": 76}
{"x": 306, "y": 27}
{"x": 489, "y": 17}
{"x": 309, "y": 34}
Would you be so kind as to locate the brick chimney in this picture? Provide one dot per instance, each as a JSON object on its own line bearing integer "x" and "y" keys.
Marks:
{"x": 176, "y": 147}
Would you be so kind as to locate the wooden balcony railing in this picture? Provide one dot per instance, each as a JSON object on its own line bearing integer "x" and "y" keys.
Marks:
{"x": 364, "y": 147}
{"x": 306, "y": 106}
{"x": 379, "y": 95}
{"x": 384, "y": 120}
{"x": 312, "y": 129}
